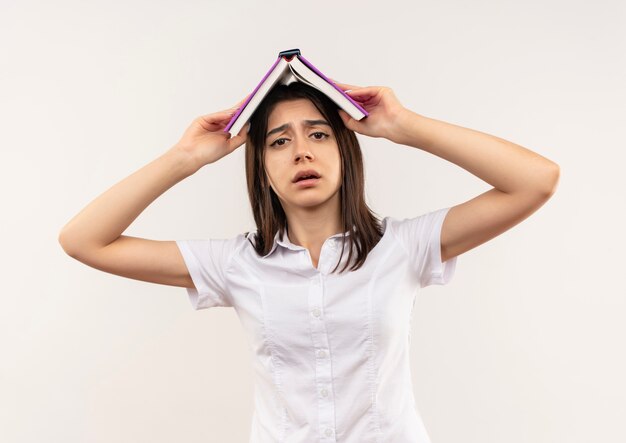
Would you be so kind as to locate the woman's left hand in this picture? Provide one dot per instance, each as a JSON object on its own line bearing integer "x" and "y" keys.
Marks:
{"x": 384, "y": 109}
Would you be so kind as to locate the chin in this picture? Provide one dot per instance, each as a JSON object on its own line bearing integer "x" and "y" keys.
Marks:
{"x": 309, "y": 202}
{"x": 314, "y": 198}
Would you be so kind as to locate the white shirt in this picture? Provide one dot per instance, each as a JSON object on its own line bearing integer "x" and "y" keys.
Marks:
{"x": 330, "y": 352}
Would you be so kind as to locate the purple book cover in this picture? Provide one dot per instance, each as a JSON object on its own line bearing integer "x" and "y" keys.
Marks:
{"x": 234, "y": 117}
{"x": 313, "y": 68}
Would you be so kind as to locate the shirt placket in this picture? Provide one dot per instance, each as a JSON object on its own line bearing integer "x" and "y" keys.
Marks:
{"x": 323, "y": 373}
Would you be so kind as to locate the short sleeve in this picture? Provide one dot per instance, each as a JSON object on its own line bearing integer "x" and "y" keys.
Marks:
{"x": 207, "y": 261}
{"x": 421, "y": 238}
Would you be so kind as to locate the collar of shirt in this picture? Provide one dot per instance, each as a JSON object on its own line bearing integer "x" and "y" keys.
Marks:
{"x": 286, "y": 243}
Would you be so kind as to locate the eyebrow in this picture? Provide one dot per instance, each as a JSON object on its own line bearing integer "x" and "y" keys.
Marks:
{"x": 305, "y": 123}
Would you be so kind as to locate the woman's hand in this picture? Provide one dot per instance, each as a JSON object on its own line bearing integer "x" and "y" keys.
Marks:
{"x": 205, "y": 139}
{"x": 382, "y": 105}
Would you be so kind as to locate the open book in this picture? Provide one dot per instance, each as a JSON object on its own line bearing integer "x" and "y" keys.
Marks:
{"x": 290, "y": 67}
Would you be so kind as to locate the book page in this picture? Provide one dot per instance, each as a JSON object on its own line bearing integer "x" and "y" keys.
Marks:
{"x": 313, "y": 79}
{"x": 300, "y": 78}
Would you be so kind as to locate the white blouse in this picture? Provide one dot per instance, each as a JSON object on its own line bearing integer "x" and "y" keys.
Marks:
{"x": 330, "y": 352}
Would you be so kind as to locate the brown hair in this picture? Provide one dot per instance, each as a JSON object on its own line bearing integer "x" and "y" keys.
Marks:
{"x": 266, "y": 207}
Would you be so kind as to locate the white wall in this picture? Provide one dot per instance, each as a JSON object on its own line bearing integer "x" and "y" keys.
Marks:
{"x": 525, "y": 345}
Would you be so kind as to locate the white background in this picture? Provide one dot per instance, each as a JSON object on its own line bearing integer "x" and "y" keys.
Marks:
{"x": 526, "y": 344}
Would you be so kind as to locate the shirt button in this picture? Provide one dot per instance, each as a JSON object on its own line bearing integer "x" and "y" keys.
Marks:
{"x": 328, "y": 432}
{"x": 316, "y": 312}
{"x": 324, "y": 392}
{"x": 321, "y": 353}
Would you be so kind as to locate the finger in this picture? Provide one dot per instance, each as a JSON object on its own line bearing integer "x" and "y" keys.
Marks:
{"x": 225, "y": 114}
{"x": 346, "y": 86}
{"x": 230, "y": 111}
{"x": 349, "y": 122}
{"x": 235, "y": 141}
{"x": 367, "y": 90}
{"x": 238, "y": 105}
{"x": 343, "y": 85}
{"x": 362, "y": 95}
{"x": 218, "y": 116}
{"x": 217, "y": 120}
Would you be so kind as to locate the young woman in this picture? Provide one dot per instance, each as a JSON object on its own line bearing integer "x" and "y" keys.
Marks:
{"x": 323, "y": 289}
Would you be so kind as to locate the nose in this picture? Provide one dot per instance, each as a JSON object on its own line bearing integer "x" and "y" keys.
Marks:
{"x": 302, "y": 151}
{"x": 300, "y": 155}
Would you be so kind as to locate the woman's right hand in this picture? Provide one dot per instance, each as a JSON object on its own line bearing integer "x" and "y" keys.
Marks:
{"x": 205, "y": 139}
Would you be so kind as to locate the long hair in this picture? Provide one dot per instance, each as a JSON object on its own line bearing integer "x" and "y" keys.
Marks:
{"x": 356, "y": 217}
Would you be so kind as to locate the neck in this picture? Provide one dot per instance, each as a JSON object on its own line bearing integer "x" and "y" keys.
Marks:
{"x": 310, "y": 227}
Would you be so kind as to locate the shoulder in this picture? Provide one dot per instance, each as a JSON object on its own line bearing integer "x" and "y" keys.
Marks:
{"x": 409, "y": 230}
{"x": 234, "y": 245}
{"x": 214, "y": 250}
{"x": 422, "y": 220}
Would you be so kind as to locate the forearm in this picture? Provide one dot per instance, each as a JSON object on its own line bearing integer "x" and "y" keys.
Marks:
{"x": 506, "y": 166}
{"x": 105, "y": 219}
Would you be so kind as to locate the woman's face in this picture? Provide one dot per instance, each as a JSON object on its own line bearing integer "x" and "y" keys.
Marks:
{"x": 299, "y": 138}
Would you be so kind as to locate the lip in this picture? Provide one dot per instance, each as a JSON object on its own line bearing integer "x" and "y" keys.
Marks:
{"x": 305, "y": 172}
{"x": 307, "y": 183}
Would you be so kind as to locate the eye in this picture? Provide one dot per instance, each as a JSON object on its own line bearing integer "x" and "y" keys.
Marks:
{"x": 322, "y": 133}
{"x": 282, "y": 143}
{"x": 277, "y": 140}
